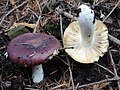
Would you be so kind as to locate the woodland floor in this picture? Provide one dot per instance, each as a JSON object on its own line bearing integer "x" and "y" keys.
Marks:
{"x": 62, "y": 72}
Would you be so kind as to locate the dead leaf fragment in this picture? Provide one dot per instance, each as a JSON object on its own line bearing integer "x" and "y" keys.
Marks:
{"x": 23, "y": 24}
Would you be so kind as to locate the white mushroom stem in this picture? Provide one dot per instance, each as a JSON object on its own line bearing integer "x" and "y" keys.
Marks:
{"x": 86, "y": 22}
{"x": 37, "y": 73}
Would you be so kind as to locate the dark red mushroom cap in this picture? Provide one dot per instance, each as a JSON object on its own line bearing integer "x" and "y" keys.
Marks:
{"x": 32, "y": 48}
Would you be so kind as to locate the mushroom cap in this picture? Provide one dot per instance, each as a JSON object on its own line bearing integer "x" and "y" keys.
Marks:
{"x": 32, "y": 48}
{"x": 84, "y": 54}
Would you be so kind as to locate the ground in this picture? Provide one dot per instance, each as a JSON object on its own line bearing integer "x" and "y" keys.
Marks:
{"x": 61, "y": 72}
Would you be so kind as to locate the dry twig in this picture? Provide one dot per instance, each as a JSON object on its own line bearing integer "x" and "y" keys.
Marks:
{"x": 35, "y": 29}
{"x": 61, "y": 27}
{"x": 111, "y": 11}
{"x": 105, "y": 68}
{"x": 114, "y": 68}
{"x": 71, "y": 77}
{"x": 99, "y": 82}
{"x": 97, "y": 2}
{"x": 58, "y": 86}
{"x": 12, "y": 11}
{"x": 117, "y": 41}
{"x": 60, "y": 11}
{"x": 40, "y": 11}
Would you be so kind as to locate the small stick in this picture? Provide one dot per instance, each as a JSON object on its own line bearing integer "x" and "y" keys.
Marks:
{"x": 63, "y": 48}
{"x": 114, "y": 39}
{"x": 62, "y": 60}
{"x": 95, "y": 4}
{"x": 33, "y": 12}
{"x": 71, "y": 77}
{"x": 13, "y": 10}
{"x": 40, "y": 11}
{"x": 17, "y": 10}
{"x": 111, "y": 11}
{"x": 99, "y": 82}
{"x": 56, "y": 87}
{"x": 3, "y": 47}
{"x": 35, "y": 29}
{"x": 109, "y": 85}
{"x": 114, "y": 68}
{"x": 105, "y": 68}
{"x": 60, "y": 11}
{"x": 61, "y": 27}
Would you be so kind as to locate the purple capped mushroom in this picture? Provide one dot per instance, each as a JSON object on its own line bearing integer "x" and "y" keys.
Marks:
{"x": 33, "y": 49}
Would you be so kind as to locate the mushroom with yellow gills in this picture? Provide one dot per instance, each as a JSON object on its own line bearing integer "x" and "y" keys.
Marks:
{"x": 88, "y": 37}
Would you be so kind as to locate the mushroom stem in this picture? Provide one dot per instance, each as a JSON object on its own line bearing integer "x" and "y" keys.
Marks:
{"x": 37, "y": 73}
{"x": 86, "y": 22}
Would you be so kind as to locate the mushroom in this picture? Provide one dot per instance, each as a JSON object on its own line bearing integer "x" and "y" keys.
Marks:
{"x": 88, "y": 37}
{"x": 33, "y": 49}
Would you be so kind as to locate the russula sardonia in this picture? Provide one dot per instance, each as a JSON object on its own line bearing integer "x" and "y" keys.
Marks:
{"x": 87, "y": 36}
{"x": 33, "y": 49}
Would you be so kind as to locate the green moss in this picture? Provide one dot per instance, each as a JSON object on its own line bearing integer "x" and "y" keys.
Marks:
{"x": 49, "y": 26}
